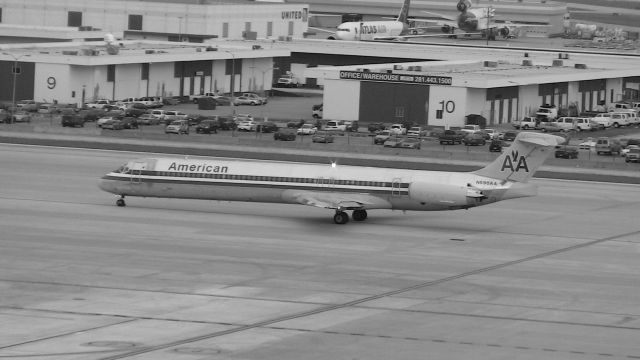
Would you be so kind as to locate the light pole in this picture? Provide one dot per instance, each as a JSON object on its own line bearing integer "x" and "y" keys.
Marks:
{"x": 15, "y": 73}
{"x": 264, "y": 72}
{"x": 233, "y": 75}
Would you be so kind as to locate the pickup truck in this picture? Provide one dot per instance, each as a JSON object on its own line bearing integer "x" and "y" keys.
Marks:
{"x": 529, "y": 122}
{"x": 451, "y": 137}
{"x": 287, "y": 80}
{"x": 470, "y": 129}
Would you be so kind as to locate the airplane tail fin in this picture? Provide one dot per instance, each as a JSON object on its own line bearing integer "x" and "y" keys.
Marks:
{"x": 404, "y": 12}
{"x": 521, "y": 160}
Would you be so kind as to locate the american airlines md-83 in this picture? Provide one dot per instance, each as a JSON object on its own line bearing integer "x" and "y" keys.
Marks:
{"x": 336, "y": 187}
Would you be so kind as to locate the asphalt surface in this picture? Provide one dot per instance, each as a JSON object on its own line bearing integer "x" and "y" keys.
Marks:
{"x": 548, "y": 277}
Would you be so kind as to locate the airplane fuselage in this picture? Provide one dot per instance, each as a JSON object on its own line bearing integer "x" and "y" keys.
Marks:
{"x": 281, "y": 182}
{"x": 370, "y": 30}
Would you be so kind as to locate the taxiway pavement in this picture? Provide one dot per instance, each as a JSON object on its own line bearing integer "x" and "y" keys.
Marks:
{"x": 553, "y": 277}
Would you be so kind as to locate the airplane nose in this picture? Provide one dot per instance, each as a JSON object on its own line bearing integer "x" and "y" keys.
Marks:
{"x": 107, "y": 185}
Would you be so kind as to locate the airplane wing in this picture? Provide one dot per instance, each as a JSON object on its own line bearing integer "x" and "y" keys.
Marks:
{"x": 336, "y": 200}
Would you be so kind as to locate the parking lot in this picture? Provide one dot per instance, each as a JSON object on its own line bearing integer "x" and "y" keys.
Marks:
{"x": 284, "y": 109}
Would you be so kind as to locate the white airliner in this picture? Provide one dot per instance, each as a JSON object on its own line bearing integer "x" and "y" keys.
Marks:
{"x": 333, "y": 186}
{"x": 377, "y": 30}
{"x": 477, "y": 21}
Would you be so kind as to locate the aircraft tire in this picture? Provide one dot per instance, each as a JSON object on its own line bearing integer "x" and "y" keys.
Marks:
{"x": 120, "y": 202}
{"x": 359, "y": 215}
{"x": 341, "y": 218}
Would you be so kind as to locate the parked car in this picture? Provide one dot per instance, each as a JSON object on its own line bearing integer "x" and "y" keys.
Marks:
{"x": 129, "y": 122}
{"x": 285, "y": 134}
{"x": 135, "y": 109}
{"x": 177, "y": 127}
{"x": 171, "y": 115}
{"x": 246, "y": 125}
{"x": 101, "y": 121}
{"x": 410, "y": 143}
{"x": 381, "y": 137}
{"x": 549, "y": 126}
{"x": 207, "y": 127}
{"x": 587, "y": 145}
{"x": 21, "y": 116}
{"x": 633, "y": 155}
{"x": 148, "y": 119}
{"x": 307, "y": 129}
{"x": 72, "y": 121}
{"x": 113, "y": 124}
{"x": 263, "y": 100}
{"x": 509, "y": 135}
{"x": 222, "y": 100}
{"x": 322, "y": 137}
{"x": 450, "y": 137}
{"x": 415, "y": 131}
{"x": 474, "y": 139}
{"x": 245, "y": 100}
{"x": 398, "y": 129}
{"x": 158, "y": 114}
{"x": 376, "y": 127}
{"x": 627, "y": 149}
{"x": 267, "y": 127}
{"x": 393, "y": 141}
{"x": 496, "y": 145}
{"x": 566, "y": 152}
{"x": 491, "y": 133}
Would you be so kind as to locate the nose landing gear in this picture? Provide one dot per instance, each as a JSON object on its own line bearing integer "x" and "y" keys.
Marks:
{"x": 120, "y": 202}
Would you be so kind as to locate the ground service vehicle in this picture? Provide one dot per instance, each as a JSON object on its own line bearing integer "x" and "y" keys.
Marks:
{"x": 340, "y": 188}
{"x": 605, "y": 145}
{"x": 584, "y": 124}
{"x": 602, "y": 120}
{"x": 548, "y": 112}
{"x": 287, "y": 80}
{"x": 619, "y": 119}
{"x": 335, "y": 125}
{"x": 528, "y": 122}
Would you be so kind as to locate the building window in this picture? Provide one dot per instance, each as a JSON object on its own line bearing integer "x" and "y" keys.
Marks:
{"x": 269, "y": 28}
{"x": 111, "y": 73}
{"x": 145, "y": 71}
{"x": 225, "y": 30}
{"x": 135, "y": 22}
{"x": 74, "y": 18}
{"x": 233, "y": 66}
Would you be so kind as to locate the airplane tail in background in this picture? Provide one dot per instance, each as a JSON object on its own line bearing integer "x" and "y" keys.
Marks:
{"x": 520, "y": 161}
{"x": 404, "y": 12}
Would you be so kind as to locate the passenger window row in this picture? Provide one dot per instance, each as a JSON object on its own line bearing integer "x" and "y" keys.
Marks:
{"x": 323, "y": 181}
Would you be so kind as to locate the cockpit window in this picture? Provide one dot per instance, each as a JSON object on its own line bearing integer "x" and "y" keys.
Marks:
{"x": 343, "y": 29}
{"x": 124, "y": 169}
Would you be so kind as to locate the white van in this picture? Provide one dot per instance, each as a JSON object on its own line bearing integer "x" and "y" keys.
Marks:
{"x": 584, "y": 124}
{"x": 619, "y": 119}
{"x": 565, "y": 123}
{"x": 335, "y": 125}
{"x": 632, "y": 114}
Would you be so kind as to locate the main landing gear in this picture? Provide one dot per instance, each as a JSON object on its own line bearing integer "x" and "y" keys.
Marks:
{"x": 120, "y": 202}
{"x": 342, "y": 217}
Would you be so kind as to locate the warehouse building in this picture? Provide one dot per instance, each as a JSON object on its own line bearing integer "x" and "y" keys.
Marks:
{"x": 80, "y": 72}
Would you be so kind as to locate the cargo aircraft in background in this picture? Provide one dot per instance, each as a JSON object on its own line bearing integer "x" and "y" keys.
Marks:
{"x": 340, "y": 188}
{"x": 477, "y": 21}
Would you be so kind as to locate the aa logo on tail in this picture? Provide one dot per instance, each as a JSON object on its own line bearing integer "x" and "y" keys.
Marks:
{"x": 514, "y": 162}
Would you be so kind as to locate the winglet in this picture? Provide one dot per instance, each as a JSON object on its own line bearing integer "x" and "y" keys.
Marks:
{"x": 521, "y": 160}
